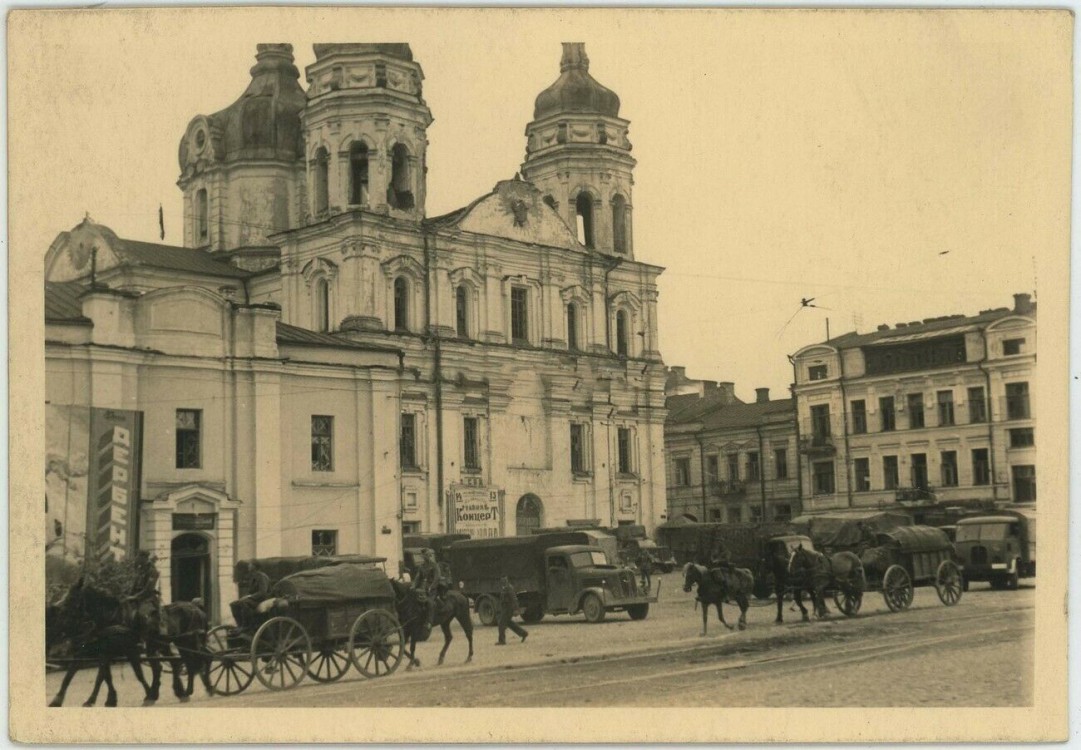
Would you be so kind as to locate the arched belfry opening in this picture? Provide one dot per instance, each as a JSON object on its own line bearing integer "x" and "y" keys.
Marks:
{"x": 619, "y": 224}
{"x": 400, "y": 190}
{"x": 358, "y": 174}
{"x": 321, "y": 180}
{"x": 583, "y": 208}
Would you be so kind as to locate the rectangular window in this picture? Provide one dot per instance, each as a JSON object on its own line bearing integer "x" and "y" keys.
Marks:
{"x": 519, "y": 315}
{"x": 822, "y": 473}
{"x": 753, "y": 469}
{"x": 733, "y": 467}
{"x": 188, "y": 425}
{"x": 756, "y": 515}
{"x": 1017, "y": 401}
{"x": 919, "y": 471}
{"x": 1022, "y": 437}
{"x": 713, "y": 469}
{"x": 471, "y": 441}
{"x": 461, "y": 312}
{"x": 624, "y": 440}
{"x": 780, "y": 461}
{"x": 782, "y": 512}
{"x": 886, "y": 414}
{"x": 715, "y": 514}
{"x": 817, "y": 372}
{"x": 1024, "y": 484}
{"x": 324, "y": 542}
{"x": 408, "y": 441}
{"x": 1013, "y": 346}
{"x": 578, "y": 449}
{"x": 890, "y": 475}
{"x": 977, "y": 405}
{"x": 949, "y": 468}
{"x": 683, "y": 472}
{"x": 981, "y": 466}
{"x": 322, "y": 443}
{"x": 735, "y": 515}
{"x": 945, "y": 408}
{"x": 820, "y": 423}
{"x": 915, "y": 411}
{"x": 859, "y": 417}
{"x": 862, "y": 468}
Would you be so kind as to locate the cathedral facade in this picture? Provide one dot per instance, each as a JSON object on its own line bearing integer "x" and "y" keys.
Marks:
{"x": 351, "y": 368}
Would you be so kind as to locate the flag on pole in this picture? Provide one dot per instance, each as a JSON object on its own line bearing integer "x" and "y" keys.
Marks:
{"x": 161, "y": 221}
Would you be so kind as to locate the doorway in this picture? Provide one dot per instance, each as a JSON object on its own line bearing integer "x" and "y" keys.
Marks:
{"x": 190, "y": 566}
{"x": 529, "y": 514}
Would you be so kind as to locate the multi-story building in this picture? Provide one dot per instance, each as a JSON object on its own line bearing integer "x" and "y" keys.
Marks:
{"x": 727, "y": 460}
{"x": 938, "y": 410}
{"x": 322, "y": 366}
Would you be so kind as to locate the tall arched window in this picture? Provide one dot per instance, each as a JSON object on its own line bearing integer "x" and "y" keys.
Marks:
{"x": 321, "y": 177}
{"x": 400, "y": 190}
{"x": 583, "y": 207}
{"x": 358, "y": 174}
{"x": 619, "y": 224}
{"x": 461, "y": 311}
{"x": 401, "y": 304}
{"x": 322, "y": 305}
{"x": 622, "y": 342}
{"x": 572, "y": 326}
{"x": 202, "y": 212}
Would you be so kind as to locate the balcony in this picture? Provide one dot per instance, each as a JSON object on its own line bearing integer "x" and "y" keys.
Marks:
{"x": 817, "y": 445}
{"x": 727, "y": 488}
{"x": 915, "y": 495}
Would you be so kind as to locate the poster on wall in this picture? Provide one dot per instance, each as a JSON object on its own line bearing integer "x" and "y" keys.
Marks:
{"x": 477, "y": 511}
{"x": 93, "y": 463}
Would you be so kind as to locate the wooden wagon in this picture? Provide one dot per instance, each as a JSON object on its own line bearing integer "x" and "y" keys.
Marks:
{"x": 317, "y": 623}
{"x": 905, "y": 558}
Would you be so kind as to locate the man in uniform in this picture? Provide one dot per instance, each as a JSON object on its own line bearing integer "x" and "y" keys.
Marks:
{"x": 429, "y": 578}
{"x": 508, "y": 607}
{"x": 258, "y": 587}
{"x": 645, "y": 569}
{"x": 144, "y": 593}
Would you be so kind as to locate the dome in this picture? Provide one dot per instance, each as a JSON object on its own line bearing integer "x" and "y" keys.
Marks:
{"x": 398, "y": 50}
{"x": 575, "y": 91}
{"x": 264, "y": 123}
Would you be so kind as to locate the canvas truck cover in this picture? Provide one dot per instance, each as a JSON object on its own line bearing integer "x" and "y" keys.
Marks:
{"x": 277, "y": 568}
{"x": 841, "y": 530}
{"x": 345, "y": 582}
{"x": 917, "y": 538}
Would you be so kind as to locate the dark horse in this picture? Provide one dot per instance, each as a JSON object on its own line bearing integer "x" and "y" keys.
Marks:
{"x": 183, "y": 646}
{"x": 841, "y": 571}
{"x": 725, "y": 584}
{"x": 93, "y": 623}
{"x": 418, "y": 613}
{"x": 785, "y": 581}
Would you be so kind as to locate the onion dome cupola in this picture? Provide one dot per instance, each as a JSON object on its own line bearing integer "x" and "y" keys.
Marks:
{"x": 240, "y": 168}
{"x": 366, "y": 131}
{"x": 578, "y": 155}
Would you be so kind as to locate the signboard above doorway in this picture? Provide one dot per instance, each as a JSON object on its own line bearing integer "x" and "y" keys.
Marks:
{"x": 194, "y": 521}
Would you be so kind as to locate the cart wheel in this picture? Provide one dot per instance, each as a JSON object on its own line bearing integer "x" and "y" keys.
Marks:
{"x": 376, "y": 643}
{"x": 280, "y": 652}
{"x": 330, "y": 661}
{"x": 948, "y": 583}
{"x": 486, "y": 611}
{"x": 230, "y": 670}
{"x": 897, "y": 588}
{"x": 848, "y": 602}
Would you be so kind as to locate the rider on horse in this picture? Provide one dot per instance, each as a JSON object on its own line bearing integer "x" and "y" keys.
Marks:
{"x": 429, "y": 579}
{"x": 144, "y": 594}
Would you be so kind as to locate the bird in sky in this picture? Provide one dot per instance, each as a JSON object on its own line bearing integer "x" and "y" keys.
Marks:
{"x": 944, "y": 252}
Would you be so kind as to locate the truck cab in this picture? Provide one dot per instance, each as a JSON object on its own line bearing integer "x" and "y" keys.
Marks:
{"x": 999, "y": 548}
{"x": 659, "y": 557}
{"x": 580, "y": 578}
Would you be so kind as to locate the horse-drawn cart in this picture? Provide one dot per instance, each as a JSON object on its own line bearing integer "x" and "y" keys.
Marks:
{"x": 904, "y": 558}
{"x": 316, "y": 623}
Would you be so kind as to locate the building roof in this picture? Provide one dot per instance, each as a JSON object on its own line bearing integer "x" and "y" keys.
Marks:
{"x": 713, "y": 411}
{"x": 62, "y": 302}
{"x": 399, "y": 50}
{"x": 928, "y": 328}
{"x": 176, "y": 259}
{"x": 575, "y": 91}
{"x": 295, "y": 336}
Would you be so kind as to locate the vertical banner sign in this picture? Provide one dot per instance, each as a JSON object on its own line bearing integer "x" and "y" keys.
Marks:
{"x": 477, "y": 511}
{"x": 112, "y": 506}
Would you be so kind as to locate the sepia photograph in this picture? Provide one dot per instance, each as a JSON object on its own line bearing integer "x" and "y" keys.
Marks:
{"x": 561, "y": 375}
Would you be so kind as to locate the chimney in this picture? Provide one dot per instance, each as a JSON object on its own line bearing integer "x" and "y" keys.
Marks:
{"x": 761, "y": 395}
{"x": 884, "y": 327}
{"x": 679, "y": 371}
{"x": 1022, "y": 304}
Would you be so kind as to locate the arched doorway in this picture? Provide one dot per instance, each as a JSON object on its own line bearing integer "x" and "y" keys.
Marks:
{"x": 191, "y": 577}
{"x": 529, "y": 515}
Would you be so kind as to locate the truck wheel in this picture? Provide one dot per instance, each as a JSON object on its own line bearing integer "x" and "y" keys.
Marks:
{"x": 593, "y": 608}
{"x": 1011, "y": 581}
{"x": 532, "y": 615}
{"x": 638, "y": 611}
{"x": 486, "y": 611}
{"x": 666, "y": 569}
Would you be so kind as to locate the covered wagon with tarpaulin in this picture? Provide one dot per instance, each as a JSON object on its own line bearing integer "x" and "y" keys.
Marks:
{"x": 277, "y": 568}
{"x": 317, "y": 623}
{"x": 904, "y": 558}
{"x": 851, "y": 531}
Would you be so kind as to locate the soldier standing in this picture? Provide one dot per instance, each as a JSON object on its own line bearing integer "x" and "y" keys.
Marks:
{"x": 508, "y": 607}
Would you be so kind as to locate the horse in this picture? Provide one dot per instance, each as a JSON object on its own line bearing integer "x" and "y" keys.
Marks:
{"x": 784, "y": 581}
{"x": 719, "y": 585}
{"x": 418, "y": 613}
{"x": 94, "y": 625}
{"x": 183, "y": 646}
{"x": 842, "y": 570}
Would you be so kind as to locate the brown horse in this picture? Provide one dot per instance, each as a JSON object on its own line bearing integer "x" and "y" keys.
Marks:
{"x": 418, "y": 613}
{"x": 841, "y": 571}
{"x": 725, "y": 584}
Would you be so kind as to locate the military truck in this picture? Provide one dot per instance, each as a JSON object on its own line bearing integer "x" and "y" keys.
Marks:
{"x": 998, "y": 547}
{"x": 553, "y": 574}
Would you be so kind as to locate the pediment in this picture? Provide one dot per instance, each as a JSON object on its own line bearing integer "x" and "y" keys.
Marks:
{"x": 515, "y": 210}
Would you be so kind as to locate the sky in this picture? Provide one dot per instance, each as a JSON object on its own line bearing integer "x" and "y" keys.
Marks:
{"x": 891, "y": 166}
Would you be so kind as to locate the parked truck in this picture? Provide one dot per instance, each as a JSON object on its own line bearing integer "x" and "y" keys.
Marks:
{"x": 553, "y": 574}
{"x": 999, "y": 547}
